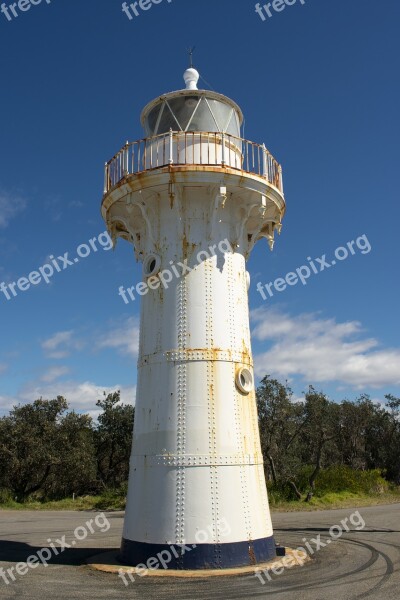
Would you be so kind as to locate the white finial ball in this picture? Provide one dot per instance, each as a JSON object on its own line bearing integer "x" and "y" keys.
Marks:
{"x": 191, "y": 77}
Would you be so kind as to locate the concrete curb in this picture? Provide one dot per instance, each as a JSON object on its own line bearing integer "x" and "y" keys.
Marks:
{"x": 108, "y": 563}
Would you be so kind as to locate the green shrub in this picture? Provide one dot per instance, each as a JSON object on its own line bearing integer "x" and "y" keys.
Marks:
{"x": 334, "y": 480}
{"x": 113, "y": 499}
{"x": 342, "y": 478}
{"x": 5, "y": 496}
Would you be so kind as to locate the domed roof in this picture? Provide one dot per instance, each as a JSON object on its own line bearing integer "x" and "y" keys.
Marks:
{"x": 192, "y": 109}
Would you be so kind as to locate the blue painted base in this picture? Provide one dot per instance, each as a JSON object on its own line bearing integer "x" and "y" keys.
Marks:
{"x": 200, "y": 556}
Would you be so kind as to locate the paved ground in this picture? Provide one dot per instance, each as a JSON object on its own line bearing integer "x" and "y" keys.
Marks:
{"x": 363, "y": 563}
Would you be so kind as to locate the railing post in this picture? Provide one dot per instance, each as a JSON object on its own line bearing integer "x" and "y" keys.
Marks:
{"x": 223, "y": 150}
{"x": 105, "y": 178}
{"x": 126, "y": 162}
{"x": 265, "y": 162}
{"x": 280, "y": 178}
{"x": 171, "y": 147}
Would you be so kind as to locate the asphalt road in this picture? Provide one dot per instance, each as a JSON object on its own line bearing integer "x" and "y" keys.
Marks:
{"x": 362, "y": 563}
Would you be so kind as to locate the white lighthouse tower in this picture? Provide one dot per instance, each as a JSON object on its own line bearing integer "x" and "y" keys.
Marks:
{"x": 193, "y": 198}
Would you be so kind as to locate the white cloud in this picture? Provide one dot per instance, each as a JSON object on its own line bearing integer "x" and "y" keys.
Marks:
{"x": 297, "y": 399}
{"x": 54, "y": 373}
{"x": 80, "y": 396}
{"x": 321, "y": 350}
{"x": 61, "y": 344}
{"x": 124, "y": 338}
{"x": 10, "y": 206}
{"x": 6, "y": 404}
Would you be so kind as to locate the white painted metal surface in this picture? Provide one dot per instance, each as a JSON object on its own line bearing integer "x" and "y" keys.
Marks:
{"x": 191, "y": 77}
{"x": 196, "y": 456}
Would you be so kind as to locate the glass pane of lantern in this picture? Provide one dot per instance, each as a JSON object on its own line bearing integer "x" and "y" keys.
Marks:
{"x": 234, "y": 125}
{"x": 183, "y": 109}
{"x": 167, "y": 121}
{"x": 203, "y": 119}
{"x": 151, "y": 120}
{"x": 222, "y": 113}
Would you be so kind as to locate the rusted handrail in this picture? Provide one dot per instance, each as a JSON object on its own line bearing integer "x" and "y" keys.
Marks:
{"x": 192, "y": 148}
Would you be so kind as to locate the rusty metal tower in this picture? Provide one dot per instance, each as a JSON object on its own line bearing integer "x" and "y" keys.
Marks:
{"x": 193, "y": 198}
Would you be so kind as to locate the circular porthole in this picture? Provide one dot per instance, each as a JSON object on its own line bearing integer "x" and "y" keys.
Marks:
{"x": 244, "y": 380}
{"x": 151, "y": 265}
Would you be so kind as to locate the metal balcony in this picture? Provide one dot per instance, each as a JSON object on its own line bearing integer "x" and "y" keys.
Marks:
{"x": 192, "y": 148}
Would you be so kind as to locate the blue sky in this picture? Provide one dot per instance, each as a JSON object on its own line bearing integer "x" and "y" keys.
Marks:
{"x": 318, "y": 84}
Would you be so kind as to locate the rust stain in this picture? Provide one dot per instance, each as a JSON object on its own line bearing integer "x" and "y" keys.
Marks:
{"x": 171, "y": 189}
{"x": 252, "y": 556}
{"x": 185, "y": 246}
{"x": 214, "y": 354}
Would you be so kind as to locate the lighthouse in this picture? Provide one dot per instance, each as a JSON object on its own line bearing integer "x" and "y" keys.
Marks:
{"x": 193, "y": 197}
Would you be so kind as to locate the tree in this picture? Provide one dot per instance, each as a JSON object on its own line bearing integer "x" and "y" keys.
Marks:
{"x": 29, "y": 445}
{"x": 281, "y": 422}
{"x": 355, "y": 419}
{"x": 77, "y": 470}
{"x": 319, "y": 434}
{"x": 390, "y": 440}
{"x": 114, "y": 440}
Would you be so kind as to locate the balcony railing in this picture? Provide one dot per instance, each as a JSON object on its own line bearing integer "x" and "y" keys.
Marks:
{"x": 192, "y": 148}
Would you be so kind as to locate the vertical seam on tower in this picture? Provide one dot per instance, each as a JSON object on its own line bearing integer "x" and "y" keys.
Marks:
{"x": 181, "y": 417}
{"x": 212, "y": 428}
{"x": 256, "y": 451}
{"x": 141, "y": 332}
{"x": 238, "y": 399}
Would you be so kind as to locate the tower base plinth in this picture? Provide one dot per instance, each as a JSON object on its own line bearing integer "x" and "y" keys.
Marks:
{"x": 198, "y": 556}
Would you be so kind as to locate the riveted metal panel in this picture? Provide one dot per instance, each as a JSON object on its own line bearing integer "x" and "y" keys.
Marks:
{"x": 196, "y": 457}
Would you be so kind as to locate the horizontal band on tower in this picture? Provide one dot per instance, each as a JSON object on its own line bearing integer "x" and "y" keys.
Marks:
{"x": 197, "y": 556}
{"x": 197, "y": 460}
{"x": 196, "y": 355}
